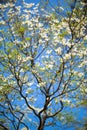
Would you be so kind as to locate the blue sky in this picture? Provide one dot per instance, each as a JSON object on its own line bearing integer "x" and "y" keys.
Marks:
{"x": 32, "y": 1}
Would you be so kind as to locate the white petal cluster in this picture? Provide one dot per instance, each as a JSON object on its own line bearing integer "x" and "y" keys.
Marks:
{"x": 67, "y": 56}
{"x": 24, "y": 128}
{"x": 42, "y": 84}
{"x": 59, "y": 50}
{"x": 26, "y": 5}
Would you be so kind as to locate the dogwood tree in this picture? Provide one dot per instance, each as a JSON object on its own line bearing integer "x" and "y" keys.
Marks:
{"x": 43, "y": 65}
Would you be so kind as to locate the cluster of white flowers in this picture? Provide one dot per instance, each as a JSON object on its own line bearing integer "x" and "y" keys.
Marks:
{"x": 1, "y": 39}
{"x": 66, "y": 100}
{"x": 67, "y": 56}
{"x": 41, "y": 84}
{"x": 28, "y": 5}
{"x": 24, "y": 128}
{"x": 59, "y": 50}
{"x": 2, "y": 22}
{"x": 49, "y": 51}
{"x": 30, "y": 84}
{"x": 82, "y": 64}
{"x": 1, "y": 87}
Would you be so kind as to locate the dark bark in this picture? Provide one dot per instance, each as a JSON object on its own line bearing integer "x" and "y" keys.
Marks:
{"x": 3, "y": 127}
{"x": 42, "y": 123}
{"x": 6, "y": 1}
{"x": 3, "y": 1}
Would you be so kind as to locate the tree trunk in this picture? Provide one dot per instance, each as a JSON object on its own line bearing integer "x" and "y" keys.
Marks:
{"x": 42, "y": 124}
